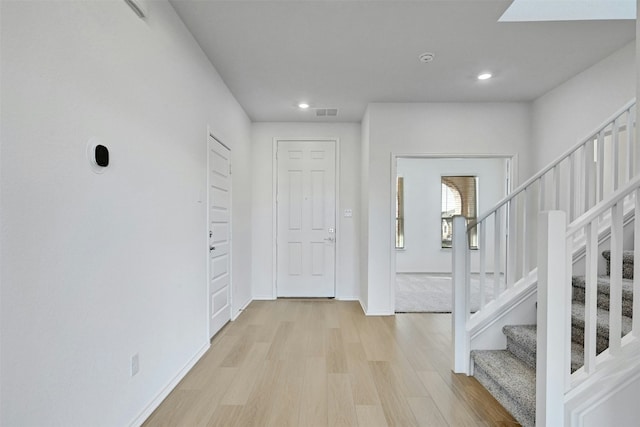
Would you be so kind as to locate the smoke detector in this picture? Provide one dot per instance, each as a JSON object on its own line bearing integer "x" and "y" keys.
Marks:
{"x": 427, "y": 57}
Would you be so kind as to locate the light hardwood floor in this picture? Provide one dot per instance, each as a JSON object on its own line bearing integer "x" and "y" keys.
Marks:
{"x": 324, "y": 363}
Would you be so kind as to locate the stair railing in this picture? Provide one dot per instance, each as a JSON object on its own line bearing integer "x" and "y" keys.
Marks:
{"x": 554, "y": 379}
{"x": 506, "y": 234}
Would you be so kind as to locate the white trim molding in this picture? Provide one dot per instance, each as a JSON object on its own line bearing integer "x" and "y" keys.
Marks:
{"x": 148, "y": 410}
{"x": 274, "y": 216}
{"x": 511, "y": 177}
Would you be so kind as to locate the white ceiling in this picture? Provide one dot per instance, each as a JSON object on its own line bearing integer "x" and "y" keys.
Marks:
{"x": 345, "y": 54}
{"x": 569, "y": 10}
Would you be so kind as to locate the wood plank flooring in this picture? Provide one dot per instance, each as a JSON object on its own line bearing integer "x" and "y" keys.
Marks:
{"x": 320, "y": 363}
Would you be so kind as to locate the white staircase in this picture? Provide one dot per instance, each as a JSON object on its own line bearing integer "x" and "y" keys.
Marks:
{"x": 531, "y": 244}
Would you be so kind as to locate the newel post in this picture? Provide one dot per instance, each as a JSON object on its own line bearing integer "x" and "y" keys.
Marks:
{"x": 461, "y": 296}
{"x": 553, "y": 323}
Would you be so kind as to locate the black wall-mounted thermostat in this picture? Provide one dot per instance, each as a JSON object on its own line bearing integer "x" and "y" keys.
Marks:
{"x": 97, "y": 155}
{"x": 102, "y": 156}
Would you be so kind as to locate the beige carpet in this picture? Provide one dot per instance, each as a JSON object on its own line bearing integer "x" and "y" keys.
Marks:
{"x": 433, "y": 293}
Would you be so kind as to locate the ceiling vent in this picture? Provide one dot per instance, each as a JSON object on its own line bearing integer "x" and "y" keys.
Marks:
{"x": 323, "y": 112}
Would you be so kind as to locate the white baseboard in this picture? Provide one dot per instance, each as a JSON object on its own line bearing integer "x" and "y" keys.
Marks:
{"x": 271, "y": 298}
{"x": 240, "y": 310}
{"x": 363, "y": 306}
{"x": 438, "y": 273}
{"x": 379, "y": 313}
{"x": 146, "y": 412}
{"x": 264, "y": 298}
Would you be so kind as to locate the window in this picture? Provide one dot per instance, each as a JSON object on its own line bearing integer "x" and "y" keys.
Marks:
{"x": 400, "y": 213}
{"x": 459, "y": 198}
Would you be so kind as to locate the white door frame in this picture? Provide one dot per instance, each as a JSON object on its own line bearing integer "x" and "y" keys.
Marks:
{"x": 207, "y": 229}
{"x": 511, "y": 176}
{"x": 274, "y": 216}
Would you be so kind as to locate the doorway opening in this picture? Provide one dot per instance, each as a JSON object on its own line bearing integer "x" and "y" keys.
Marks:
{"x": 428, "y": 191}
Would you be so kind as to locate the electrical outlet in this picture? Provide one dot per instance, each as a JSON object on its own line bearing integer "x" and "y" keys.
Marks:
{"x": 135, "y": 364}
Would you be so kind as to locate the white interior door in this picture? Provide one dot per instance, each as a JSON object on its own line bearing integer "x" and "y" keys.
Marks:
{"x": 306, "y": 215}
{"x": 219, "y": 290}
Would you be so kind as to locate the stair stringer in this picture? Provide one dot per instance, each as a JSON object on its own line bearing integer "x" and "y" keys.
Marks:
{"x": 610, "y": 395}
{"x": 517, "y": 305}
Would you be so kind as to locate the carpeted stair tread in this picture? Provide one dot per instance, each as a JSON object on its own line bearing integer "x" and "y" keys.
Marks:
{"x": 525, "y": 338}
{"x": 578, "y": 316}
{"x": 604, "y": 285}
{"x": 627, "y": 256}
{"x": 514, "y": 382}
{"x": 577, "y": 356}
{"x": 602, "y": 328}
{"x": 627, "y": 263}
{"x": 525, "y": 335}
{"x": 604, "y": 289}
{"x": 521, "y": 342}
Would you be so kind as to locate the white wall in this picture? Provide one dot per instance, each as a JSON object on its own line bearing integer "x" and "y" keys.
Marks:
{"x": 438, "y": 128}
{"x": 571, "y": 111}
{"x": 423, "y": 251}
{"x": 347, "y": 273}
{"x": 97, "y": 267}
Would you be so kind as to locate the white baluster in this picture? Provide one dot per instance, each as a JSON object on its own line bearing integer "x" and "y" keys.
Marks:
{"x": 461, "y": 297}
{"x": 572, "y": 187}
{"x": 629, "y": 127}
{"x": 568, "y": 262}
{"x": 636, "y": 266}
{"x": 591, "y": 297}
{"x": 589, "y": 175}
{"x": 482, "y": 248}
{"x": 512, "y": 242}
{"x": 497, "y": 229}
{"x": 525, "y": 233}
{"x": 555, "y": 189}
{"x": 541, "y": 194}
{"x": 600, "y": 168}
{"x": 632, "y": 131}
{"x": 615, "y": 155}
{"x": 615, "y": 295}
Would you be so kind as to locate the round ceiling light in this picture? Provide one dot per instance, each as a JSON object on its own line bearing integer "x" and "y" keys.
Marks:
{"x": 485, "y": 76}
{"x": 427, "y": 57}
{"x": 303, "y": 105}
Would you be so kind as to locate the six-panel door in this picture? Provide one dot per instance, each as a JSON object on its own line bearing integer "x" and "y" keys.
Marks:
{"x": 306, "y": 215}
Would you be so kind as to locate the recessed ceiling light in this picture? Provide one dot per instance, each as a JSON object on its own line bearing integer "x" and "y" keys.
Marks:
{"x": 485, "y": 76}
{"x": 427, "y": 57}
{"x": 303, "y": 105}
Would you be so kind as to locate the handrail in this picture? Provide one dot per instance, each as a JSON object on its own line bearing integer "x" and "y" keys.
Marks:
{"x": 601, "y": 207}
{"x": 550, "y": 166}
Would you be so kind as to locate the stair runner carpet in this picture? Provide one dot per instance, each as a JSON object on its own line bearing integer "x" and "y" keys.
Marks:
{"x": 510, "y": 376}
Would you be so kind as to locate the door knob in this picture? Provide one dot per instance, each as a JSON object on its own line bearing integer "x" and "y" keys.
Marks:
{"x": 212, "y": 248}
